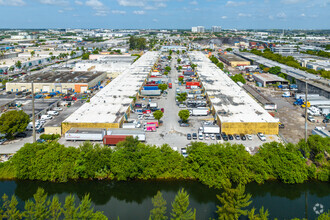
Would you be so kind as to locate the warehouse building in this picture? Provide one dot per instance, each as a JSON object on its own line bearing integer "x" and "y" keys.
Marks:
{"x": 235, "y": 111}
{"x": 58, "y": 81}
{"x": 110, "y": 107}
{"x": 233, "y": 60}
{"x": 269, "y": 79}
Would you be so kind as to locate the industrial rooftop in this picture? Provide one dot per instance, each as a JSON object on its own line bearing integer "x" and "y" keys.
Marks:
{"x": 230, "y": 101}
{"x": 110, "y": 104}
{"x": 60, "y": 77}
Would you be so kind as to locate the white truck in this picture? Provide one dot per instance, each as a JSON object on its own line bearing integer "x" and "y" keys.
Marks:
{"x": 153, "y": 105}
{"x": 211, "y": 129}
{"x": 199, "y": 111}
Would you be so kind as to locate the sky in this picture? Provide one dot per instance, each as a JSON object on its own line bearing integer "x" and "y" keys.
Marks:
{"x": 165, "y": 14}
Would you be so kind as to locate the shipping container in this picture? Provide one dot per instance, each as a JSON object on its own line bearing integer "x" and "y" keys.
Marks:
{"x": 211, "y": 129}
{"x": 114, "y": 139}
{"x": 150, "y": 92}
{"x": 150, "y": 88}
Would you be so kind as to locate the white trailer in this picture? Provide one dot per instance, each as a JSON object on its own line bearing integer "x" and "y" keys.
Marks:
{"x": 302, "y": 95}
{"x": 211, "y": 129}
{"x": 319, "y": 102}
{"x": 153, "y": 105}
{"x": 199, "y": 112}
{"x": 129, "y": 125}
{"x": 81, "y": 134}
{"x": 325, "y": 109}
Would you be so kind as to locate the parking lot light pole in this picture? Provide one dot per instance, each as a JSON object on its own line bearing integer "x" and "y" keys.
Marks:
{"x": 306, "y": 92}
{"x": 33, "y": 116}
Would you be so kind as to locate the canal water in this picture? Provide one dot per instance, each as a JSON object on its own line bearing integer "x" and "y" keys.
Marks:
{"x": 132, "y": 200}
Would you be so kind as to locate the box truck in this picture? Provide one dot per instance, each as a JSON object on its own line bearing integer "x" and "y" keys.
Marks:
{"x": 211, "y": 129}
{"x": 199, "y": 112}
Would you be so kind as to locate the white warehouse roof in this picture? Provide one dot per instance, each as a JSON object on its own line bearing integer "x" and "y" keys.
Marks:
{"x": 110, "y": 104}
{"x": 230, "y": 101}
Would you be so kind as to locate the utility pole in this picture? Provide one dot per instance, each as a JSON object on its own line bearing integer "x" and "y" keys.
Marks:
{"x": 33, "y": 115}
{"x": 306, "y": 92}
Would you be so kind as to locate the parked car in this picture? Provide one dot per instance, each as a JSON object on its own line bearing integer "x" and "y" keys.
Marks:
{"x": 249, "y": 137}
{"x": 46, "y": 117}
{"x": 311, "y": 119}
{"x": 58, "y": 109}
{"x": 237, "y": 137}
{"x": 21, "y": 135}
{"x": 188, "y": 136}
{"x": 280, "y": 125}
{"x": 52, "y": 113}
{"x": 200, "y": 136}
{"x": 194, "y": 136}
{"x": 184, "y": 125}
{"x": 261, "y": 136}
{"x": 184, "y": 152}
{"x": 243, "y": 138}
{"x": 182, "y": 106}
{"x": 218, "y": 136}
{"x": 3, "y": 140}
{"x": 41, "y": 140}
{"x": 40, "y": 130}
{"x": 212, "y": 136}
{"x": 230, "y": 137}
{"x": 206, "y": 136}
{"x": 224, "y": 136}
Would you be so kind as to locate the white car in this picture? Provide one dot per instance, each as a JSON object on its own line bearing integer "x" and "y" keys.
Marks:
{"x": 182, "y": 106}
{"x": 46, "y": 117}
{"x": 206, "y": 136}
{"x": 52, "y": 113}
{"x": 57, "y": 109}
{"x": 249, "y": 137}
{"x": 212, "y": 136}
{"x": 261, "y": 136}
{"x": 200, "y": 136}
{"x": 311, "y": 119}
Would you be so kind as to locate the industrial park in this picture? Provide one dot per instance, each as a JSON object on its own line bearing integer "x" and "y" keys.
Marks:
{"x": 106, "y": 91}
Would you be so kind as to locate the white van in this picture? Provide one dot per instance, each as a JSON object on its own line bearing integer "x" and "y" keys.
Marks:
{"x": 46, "y": 117}
{"x": 52, "y": 113}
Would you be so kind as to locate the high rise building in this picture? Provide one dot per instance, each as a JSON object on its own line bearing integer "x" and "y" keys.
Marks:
{"x": 198, "y": 29}
{"x": 216, "y": 28}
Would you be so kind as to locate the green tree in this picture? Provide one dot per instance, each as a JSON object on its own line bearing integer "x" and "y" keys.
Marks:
{"x": 9, "y": 210}
{"x": 263, "y": 215}
{"x": 165, "y": 73}
{"x": 180, "y": 206}
{"x": 179, "y": 68}
{"x": 275, "y": 70}
{"x": 37, "y": 209}
{"x": 11, "y": 68}
{"x": 18, "y": 64}
{"x": 13, "y": 121}
{"x": 162, "y": 87}
{"x": 181, "y": 97}
{"x": 33, "y": 53}
{"x": 229, "y": 49}
{"x": 184, "y": 115}
{"x": 158, "y": 114}
{"x": 85, "y": 56}
{"x": 159, "y": 210}
{"x": 220, "y": 65}
{"x": 169, "y": 57}
{"x": 168, "y": 69}
{"x": 55, "y": 208}
{"x": 324, "y": 216}
{"x": 233, "y": 201}
{"x": 69, "y": 209}
{"x": 179, "y": 60}
{"x": 238, "y": 78}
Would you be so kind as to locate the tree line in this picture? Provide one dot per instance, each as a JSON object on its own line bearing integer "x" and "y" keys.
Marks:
{"x": 214, "y": 165}
{"x": 289, "y": 61}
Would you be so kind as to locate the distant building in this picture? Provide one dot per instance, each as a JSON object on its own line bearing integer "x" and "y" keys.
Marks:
{"x": 268, "y": 79}
{"x": 216, "y": 29}
{"x": 281, "y": 50}
{"x": 198, "y": 29}
{"x": 233, "y": 60}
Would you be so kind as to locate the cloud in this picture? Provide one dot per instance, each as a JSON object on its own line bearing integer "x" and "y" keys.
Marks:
{"x": 244, "y": 15}
{"x": 155, "y": 20}
{"x": 79, "y": 2}
{"x": 139, "y": 12}
{"x": 12, "y": 2}
{"x": 193, "y": 2}
{"x": 99, "y": 7}
{"x": 235, "y": 4}
{"x": 224, "y": 17}
{"x": 281, "y": 15}
{"x": 271, "y": 17}
{"x": 60, "y": 11}
{"x": 302, "y": 15}
{"x": 118, "y": 12}
{"x": 131, "y": 3}
{"x": 54, "y": 2}
{"x": 289, "y": 2}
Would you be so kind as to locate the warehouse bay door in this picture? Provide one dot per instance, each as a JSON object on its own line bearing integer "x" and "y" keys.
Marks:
{"x": 45, "y": 88}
